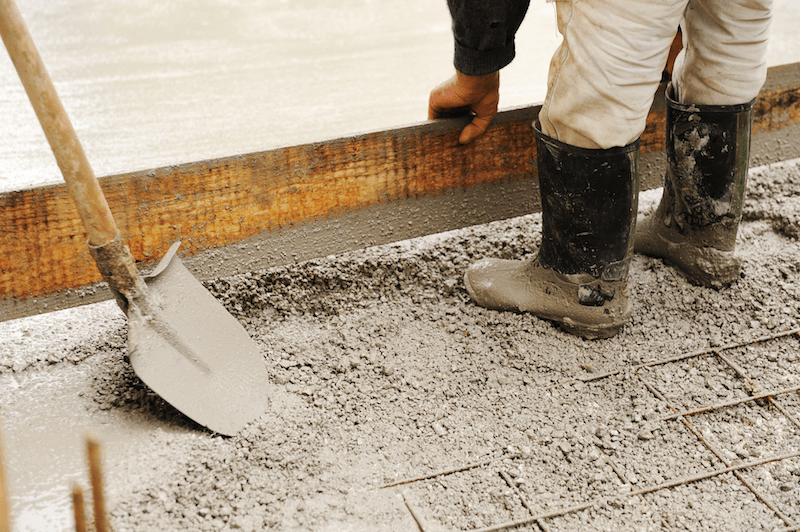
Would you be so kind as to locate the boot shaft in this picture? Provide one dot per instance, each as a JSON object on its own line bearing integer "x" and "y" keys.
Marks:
{"x": 708, "y": 150}
{"x": 589, "y": 204}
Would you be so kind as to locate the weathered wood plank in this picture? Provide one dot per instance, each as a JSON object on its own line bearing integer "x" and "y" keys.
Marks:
{"x": 222, "y": 203}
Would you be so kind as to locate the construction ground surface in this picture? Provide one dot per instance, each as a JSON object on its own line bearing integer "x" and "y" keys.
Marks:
{"x": 400, "y": 405}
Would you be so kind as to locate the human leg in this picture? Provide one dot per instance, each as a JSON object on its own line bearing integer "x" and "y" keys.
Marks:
{"x": 604, "y": 74}
{"x": 600, "y": 89}
{"x": 579, "y": 276}
{"x": 724, "y": 56}
{"x": 695, "y": 225}
{"x": 709, "y": 121}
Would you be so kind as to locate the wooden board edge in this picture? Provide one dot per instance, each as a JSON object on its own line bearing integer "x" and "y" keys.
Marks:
{"x": 364, "y": 180}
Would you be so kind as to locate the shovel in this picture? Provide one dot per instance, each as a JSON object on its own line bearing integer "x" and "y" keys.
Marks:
{"x": 182, "y": 342}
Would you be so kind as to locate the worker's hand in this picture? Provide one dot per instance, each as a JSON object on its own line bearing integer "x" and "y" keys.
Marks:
{"x": 479, "y": 94}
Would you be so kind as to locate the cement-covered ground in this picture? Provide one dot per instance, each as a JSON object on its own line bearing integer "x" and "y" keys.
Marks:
{"x": 386, "y": 372}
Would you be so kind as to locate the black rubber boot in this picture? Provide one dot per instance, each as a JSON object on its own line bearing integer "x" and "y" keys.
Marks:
{"x": 579, "y": 276}
{"x": 694, "y": 227}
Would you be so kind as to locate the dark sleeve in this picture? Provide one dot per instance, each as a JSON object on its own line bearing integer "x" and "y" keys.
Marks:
{"x": 484, "y": 31}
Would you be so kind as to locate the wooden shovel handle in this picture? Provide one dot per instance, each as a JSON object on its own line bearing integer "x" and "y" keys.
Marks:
{"x": 81, "y": 181}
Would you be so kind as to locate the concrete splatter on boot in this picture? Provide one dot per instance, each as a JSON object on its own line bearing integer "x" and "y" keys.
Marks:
{"x": 694, "y": 227}
{"x": 578, "y": 278}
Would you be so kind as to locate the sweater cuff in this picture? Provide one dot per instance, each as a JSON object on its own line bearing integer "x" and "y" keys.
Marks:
{"x": 480, "y": 63}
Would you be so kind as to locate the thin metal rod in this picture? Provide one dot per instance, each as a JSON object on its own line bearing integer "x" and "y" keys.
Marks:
{"x": 718, "y": 406}
{"x": 760, "y": 496}
{"x": 712, "y": 473}
{"x": 415, "y": 513}
{"x": 733, "y": 469}
{"x": 535, "y": 518}
{"x": 783, "y": 411}
{"x": 617, "y": 470}
{"x": 625, "y": 480}
{"x": 754, "y": 388}
{"x": 651, "y": 489}
{"x": 740, "y": 372}
{"x": 78, "y": 508}
{"x": 677, "y": 358}
{"x": 448, "y": 471}
{"x": 96, "y": 477}
{"x": 751, "y": 387}
{"x": 523, "y": 500}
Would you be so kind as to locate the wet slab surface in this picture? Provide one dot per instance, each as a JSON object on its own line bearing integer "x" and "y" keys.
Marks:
{"x": 391, "y": 383}
{"x": 150, "y": 84}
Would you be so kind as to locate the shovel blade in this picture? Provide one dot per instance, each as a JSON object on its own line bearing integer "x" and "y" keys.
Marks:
{"x": 194, "y": 354}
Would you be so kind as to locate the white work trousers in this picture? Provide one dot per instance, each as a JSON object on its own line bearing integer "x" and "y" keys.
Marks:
{"x": 604, "y": 75}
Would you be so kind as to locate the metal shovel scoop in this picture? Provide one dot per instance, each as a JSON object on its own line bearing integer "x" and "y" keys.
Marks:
{"x": 182, "y": 342}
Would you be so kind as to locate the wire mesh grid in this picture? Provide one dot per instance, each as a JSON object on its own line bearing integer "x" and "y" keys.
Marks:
{"x": 758, "y": 386}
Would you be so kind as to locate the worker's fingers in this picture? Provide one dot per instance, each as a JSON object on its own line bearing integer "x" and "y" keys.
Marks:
{"x": 435, "y": 109}
{"x": 445, "y": 98}
{"x": 485, "y": 110}
{"x": 460, "y": 94}
{"x": 474, "y": 129}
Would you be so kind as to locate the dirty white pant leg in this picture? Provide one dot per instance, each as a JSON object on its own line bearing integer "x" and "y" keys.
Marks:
{"x": 725, "y": 46}
{"x": 603, "y": 76}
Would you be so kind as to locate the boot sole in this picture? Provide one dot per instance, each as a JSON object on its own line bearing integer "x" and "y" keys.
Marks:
{"x": 589, "y": 332}
{"x": 704, "y": 266}
{"x": 587, "y": 322}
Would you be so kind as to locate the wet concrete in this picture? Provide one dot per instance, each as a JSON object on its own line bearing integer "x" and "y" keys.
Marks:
{"x": 385, "y": 371}
{"x": 151, "y": 84}
{"x": 45, "y": 418}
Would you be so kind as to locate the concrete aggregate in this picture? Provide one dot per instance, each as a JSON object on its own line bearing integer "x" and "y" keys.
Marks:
{"x": 385, "y": 372}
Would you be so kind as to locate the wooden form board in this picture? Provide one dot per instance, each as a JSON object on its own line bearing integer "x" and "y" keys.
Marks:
{"x": 226, "y": 203}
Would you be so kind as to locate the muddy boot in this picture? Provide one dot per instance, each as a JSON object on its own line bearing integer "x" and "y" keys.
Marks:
{"x": 578, "y": 278}
{"x": 695, "y": 225}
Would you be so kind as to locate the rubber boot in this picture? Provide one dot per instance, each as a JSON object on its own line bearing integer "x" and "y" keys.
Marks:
{"x": 578, "y": 278}
{"x": 694, "y": 227}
